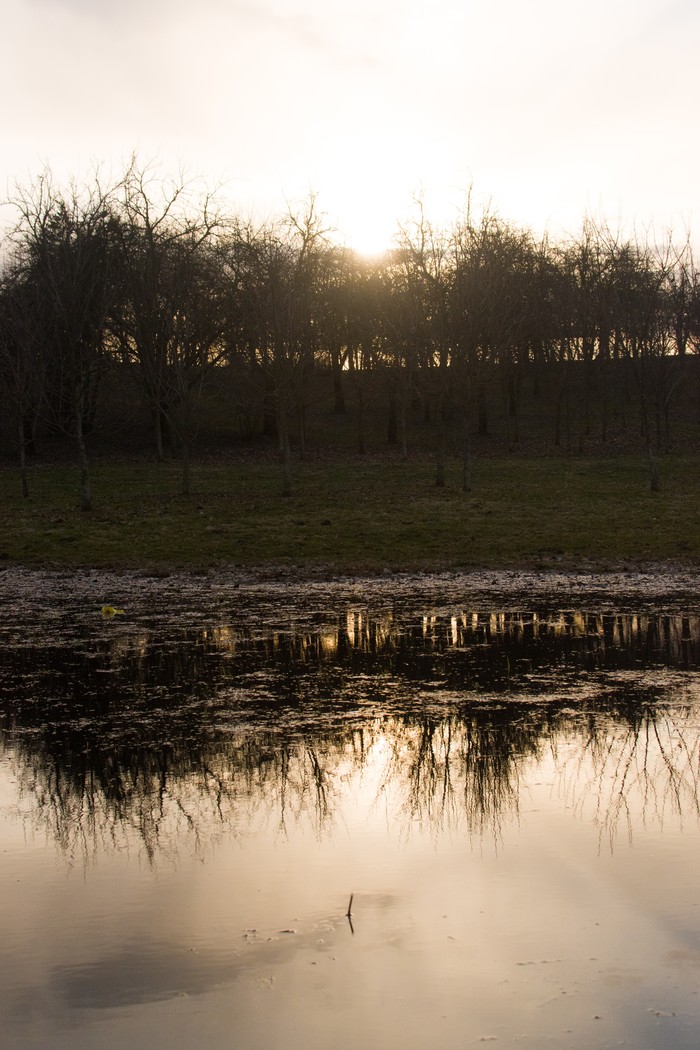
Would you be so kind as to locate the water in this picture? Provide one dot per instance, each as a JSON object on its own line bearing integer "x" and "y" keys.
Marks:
{"x": 496, "y": 777}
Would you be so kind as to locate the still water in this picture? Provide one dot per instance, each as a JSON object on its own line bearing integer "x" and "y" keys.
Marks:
{"x": 361, "y": 814}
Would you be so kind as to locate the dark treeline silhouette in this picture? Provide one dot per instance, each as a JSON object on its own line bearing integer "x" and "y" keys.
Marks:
{"x": 146, "y": 295}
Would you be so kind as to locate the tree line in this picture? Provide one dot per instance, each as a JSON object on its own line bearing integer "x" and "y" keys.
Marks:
{"x": 154, "y": 277}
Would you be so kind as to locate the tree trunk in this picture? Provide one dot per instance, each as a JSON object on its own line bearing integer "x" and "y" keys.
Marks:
{"x": 269, "y": 417}
{"x": 338, "y": 391}
{"x": 654, "y": 479}
{"x": 514, "y": 408}
{"x": 23, "y": 457}
{"x": 285, "y": 447}
{"x": 158, "y": 432}
{"x": 186, "y": 468}
{"x": 557, "y": 418}
{"x": 440, "y": 451}
{"x": 466, "y": 457}
{"x": 402, "y": 417}
{"x": 85, "y": 489}
{"x": 302, "y": 430}
{"x": 604, "y": 384}
{"x": 440, "y": 476}
{"x": 443, "y": 412}
{"x": 185, "y": 432}
{"x": 360, "y": 416}
{"x": 482, "y": 412}
{"x": 392, "y": 422}
{"x": 567, "y": 419}
{"x": 28, "y": 431}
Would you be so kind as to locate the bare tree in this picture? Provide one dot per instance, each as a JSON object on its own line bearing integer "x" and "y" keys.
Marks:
{"x": 170, "y": 317}
{"x": 22, "y": 357}
{"x": 426, "y": 256}
{"x": 64, "y": 246}
{"x": 283, "y": 263}
{"x": 639, "y": 280}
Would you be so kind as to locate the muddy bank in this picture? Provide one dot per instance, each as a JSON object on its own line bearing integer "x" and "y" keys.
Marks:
{"x": 26, "y": 593}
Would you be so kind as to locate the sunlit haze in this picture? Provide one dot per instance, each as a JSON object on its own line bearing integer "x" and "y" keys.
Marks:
{"x": 549, "y": 111}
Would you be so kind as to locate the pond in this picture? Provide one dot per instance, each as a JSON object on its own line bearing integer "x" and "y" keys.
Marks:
{"x": 259, "y": 813}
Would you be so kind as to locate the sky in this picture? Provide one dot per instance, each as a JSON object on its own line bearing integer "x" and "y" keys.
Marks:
{"x": 546, "y": 111}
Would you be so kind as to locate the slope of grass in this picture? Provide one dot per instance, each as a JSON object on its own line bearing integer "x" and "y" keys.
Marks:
{"x": 357, "y": 516}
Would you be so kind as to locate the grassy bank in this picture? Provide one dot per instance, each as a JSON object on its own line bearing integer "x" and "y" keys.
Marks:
{"x": 357, "y": 516}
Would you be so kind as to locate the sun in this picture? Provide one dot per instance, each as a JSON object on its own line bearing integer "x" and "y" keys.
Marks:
{"x": 368, "y": 208}
{"x": 362, "y": 191}
{"x": 371, "y": 178}
{"x": 363, "y": 209}
{"x": 367, "y": 224}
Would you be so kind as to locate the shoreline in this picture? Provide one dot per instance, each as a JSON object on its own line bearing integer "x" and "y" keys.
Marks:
{"x": 652, "y": 581}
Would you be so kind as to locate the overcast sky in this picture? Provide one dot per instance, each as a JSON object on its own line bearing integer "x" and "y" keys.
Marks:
{"x": 550, "y": 109}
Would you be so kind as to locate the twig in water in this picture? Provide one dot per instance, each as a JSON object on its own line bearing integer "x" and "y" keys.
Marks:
{"x": 348, "y": 915}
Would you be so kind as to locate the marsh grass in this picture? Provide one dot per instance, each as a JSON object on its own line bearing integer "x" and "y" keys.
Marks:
{"x": 357, "y": 516}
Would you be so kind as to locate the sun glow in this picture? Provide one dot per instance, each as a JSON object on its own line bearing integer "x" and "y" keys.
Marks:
{"x": 366, "y": 225}
{"x": 371, "y": 219}
{"x": 370, "y": 184}
{"x": 363, "y": 183}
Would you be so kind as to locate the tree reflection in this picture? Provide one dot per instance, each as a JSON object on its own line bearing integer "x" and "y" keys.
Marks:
{"x": 164, "y": 744}
{"x": 646, "y": 770}
{"x": 460, "y": 770}
{"x": 175, "y": 798}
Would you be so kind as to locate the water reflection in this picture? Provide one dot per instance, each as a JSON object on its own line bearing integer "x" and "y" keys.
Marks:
{"x": 223, "y": 767}
{"x": 171, "y": 735}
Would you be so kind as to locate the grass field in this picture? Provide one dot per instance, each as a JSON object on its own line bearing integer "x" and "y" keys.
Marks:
{"x": 357, "y": 516}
